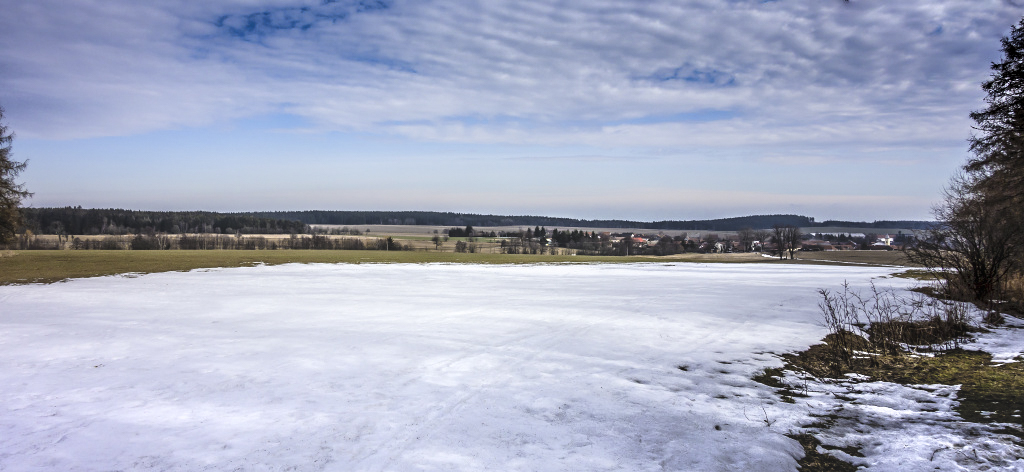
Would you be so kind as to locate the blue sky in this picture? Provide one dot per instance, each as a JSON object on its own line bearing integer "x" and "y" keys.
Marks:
{"x": 642, "y": 110}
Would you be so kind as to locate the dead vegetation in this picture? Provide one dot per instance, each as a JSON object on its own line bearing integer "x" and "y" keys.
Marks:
{"x": 819, "y": 461}
{"x": 911, "y": 340}
{"x": 864, "y": 327}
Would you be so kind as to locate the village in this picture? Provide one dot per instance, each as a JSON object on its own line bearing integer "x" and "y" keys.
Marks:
{"x": 539, "y": 240}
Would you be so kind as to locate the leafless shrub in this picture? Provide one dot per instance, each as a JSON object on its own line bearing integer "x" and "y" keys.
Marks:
{"x": 920, "y": 322}
{"x": 882, "y": 322}
{"x": 993, "y": 318}
{"x": 841, "y": 318}
{"x": 976, "y": 243}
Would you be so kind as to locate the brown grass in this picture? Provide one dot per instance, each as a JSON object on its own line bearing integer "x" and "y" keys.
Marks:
{"x": 876, "y": 258}
{"x": 53, "y": 265}
{"x": 19, "y": 267}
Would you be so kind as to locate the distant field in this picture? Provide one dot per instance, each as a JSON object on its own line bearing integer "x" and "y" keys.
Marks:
{"x": 19, "y": 267}
{"x": 856, "y": 257}
{"x": 851, "y": 230}
{"x": 51, "y": 266}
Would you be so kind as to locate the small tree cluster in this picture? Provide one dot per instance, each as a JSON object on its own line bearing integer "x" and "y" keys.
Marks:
{"x": 786, "y": 238}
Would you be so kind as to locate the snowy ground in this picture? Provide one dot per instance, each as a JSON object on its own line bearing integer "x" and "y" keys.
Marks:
{"x": 431, "y": 367}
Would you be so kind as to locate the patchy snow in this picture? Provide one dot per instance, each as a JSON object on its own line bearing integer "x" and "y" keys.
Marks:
{"x": 897, "y": 427}
{"x": 1006, "y": 344}
{"x": 438, "y": 367}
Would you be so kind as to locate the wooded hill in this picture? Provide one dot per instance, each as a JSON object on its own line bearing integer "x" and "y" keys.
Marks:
{"x": 431, "y": 218}
{"x": 78, "y": 221}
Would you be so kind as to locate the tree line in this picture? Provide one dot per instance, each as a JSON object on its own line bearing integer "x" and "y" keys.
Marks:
{"x": 195, "y": 241}
{"x": 431, "y": 218}
{"x": 82, "y": 221}
{"x": 114, "y": 221}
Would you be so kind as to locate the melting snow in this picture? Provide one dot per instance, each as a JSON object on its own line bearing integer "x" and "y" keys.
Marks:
{"x": 443, "y": 367}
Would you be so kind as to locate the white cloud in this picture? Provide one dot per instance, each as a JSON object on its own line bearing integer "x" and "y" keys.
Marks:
{"x": 787, "y": 82}
{"x": 115, "y": 68}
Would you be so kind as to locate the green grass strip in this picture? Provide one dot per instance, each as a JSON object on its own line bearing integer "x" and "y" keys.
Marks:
{"x": 21, "y": 267}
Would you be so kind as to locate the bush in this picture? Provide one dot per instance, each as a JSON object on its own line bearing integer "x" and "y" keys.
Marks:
{"x": 863, "y": 326}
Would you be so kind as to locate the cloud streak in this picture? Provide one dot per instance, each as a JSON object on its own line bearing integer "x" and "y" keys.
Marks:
{"x": 835, "y": 80}
{"x": 364, "y": 64}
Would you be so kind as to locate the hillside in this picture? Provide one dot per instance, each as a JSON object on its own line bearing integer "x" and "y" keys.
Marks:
{"x": 78, "y": 220}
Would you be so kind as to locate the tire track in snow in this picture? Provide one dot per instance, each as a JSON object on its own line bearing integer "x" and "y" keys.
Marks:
{"x": 425, "y": 426}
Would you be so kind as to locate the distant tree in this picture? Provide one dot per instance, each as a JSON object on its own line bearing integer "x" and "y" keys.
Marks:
{"x": 541, "y": 235}
{"x": 625, "y": 246}
{"x": 779, "y": 238}
{"x": 746, "y": 238}
{"x": 437, "y": 240}
{"x": 869, "y": 239}
{"x": 786, "y": 238}
{"x": 667, "y": 246}
{"x": 792, "y": 235}
{"x": 388, "y": 244}
{"x": 11, "y": 193}
{"x": 762, "y": 236}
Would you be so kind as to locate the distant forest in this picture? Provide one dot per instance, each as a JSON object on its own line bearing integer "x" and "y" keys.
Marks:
{"x": 81, "y": 221}
{"x": 432, "y": 218}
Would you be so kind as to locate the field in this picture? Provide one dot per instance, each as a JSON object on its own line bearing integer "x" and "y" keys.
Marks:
{"x": 875, "y": 258}
{"x": 51, "y": 266}
{"x": 54, "y": 265}
{"x": 446, "y": 367}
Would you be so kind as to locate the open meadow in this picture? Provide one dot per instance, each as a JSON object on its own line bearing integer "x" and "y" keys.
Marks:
{"x": 19, "y": 267}
{"x": 436, "y": 366}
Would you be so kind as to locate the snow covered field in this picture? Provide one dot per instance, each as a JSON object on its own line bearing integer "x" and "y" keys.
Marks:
{"x": 424, "y": 367}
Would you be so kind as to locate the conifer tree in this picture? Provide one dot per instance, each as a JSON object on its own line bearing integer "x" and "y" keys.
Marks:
{"x": 978, "y": 240}
{"x": 998, "y": 144}
{"x": 11, "y": 193}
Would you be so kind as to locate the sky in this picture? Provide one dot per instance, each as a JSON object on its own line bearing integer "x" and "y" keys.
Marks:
{"x": 643, "y": 110}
